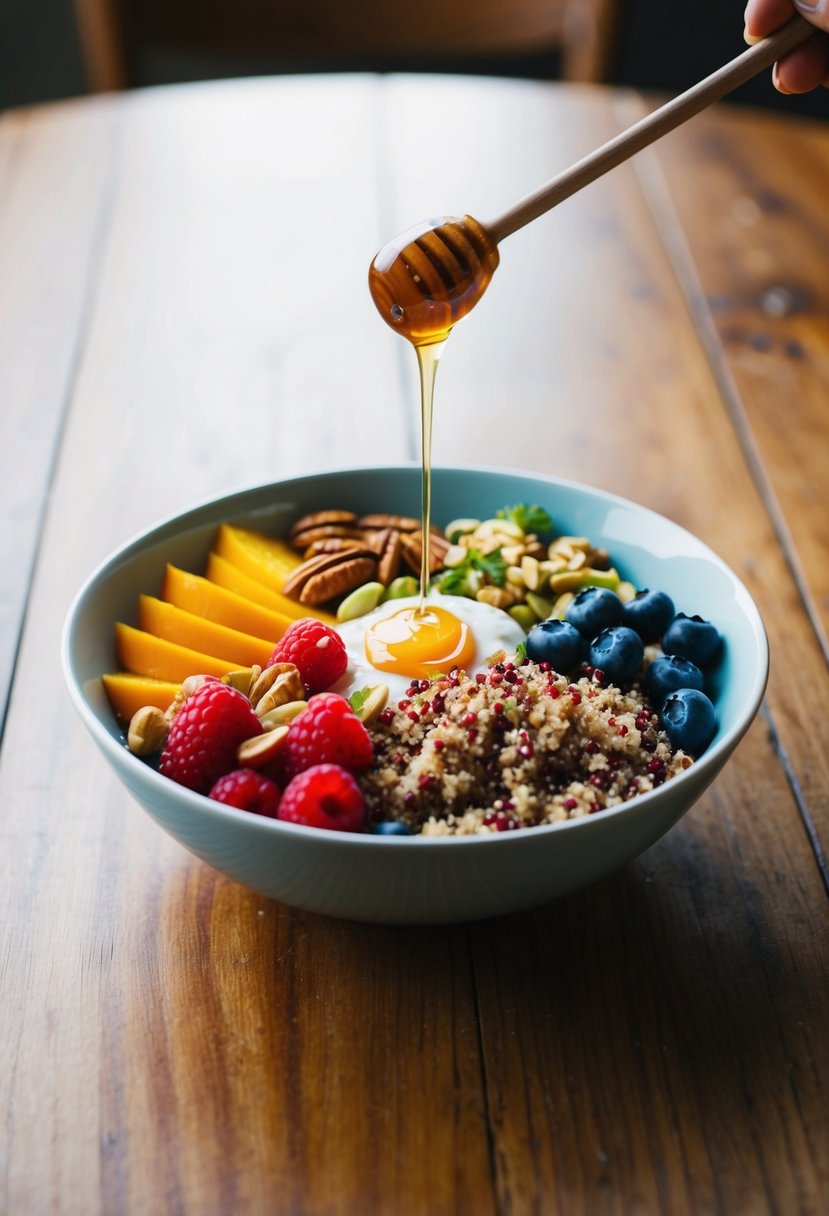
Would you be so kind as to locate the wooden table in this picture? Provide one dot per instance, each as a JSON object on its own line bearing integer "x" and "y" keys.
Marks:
{"x": 183, "y": 311}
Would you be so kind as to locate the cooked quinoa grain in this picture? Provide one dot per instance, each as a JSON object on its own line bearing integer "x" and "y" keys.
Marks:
{"x": 513, "y": 747}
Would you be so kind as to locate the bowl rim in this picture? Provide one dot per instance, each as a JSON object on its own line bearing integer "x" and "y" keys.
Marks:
{"x": 712, "y": 759}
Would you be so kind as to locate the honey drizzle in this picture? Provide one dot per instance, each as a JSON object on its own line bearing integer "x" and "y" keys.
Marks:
{"x": 428, "y": 358}
{"x": 423, "y": 283}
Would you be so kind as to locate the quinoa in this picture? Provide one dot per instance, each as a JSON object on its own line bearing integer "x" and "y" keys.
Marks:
{"x": 515, "y": 746}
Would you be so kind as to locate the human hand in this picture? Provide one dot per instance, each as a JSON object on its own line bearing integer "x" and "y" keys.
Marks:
{"x": 807, "y": 66}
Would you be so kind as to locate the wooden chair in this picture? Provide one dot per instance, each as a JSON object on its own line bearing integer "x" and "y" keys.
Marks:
{"x": 319, "y": 35}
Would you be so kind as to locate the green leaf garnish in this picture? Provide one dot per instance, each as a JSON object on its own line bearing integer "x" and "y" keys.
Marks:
{"x": 521, "y": 653}
{"x": 454, "y": 581}
{"x": 528, "y": 519}
{"x": 358, "y": 699}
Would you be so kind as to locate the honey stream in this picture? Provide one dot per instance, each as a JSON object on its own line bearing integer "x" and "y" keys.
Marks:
{"x": 423, "y": 282}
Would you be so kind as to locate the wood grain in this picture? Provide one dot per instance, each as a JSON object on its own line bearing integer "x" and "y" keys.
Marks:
{"x": 171, "y": 1042}
{"x": 757, "y": 247}
{"x": 53, "y": 175}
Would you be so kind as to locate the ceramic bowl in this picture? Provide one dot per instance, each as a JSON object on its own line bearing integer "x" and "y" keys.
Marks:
{"x": 420, "y": 879}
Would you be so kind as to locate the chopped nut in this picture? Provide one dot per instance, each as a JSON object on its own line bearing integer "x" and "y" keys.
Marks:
{"x": 498, "y": 597}
{"x": 568, "y": 580}
{"x": 282, "y": 714}
{"x": 242, "y": 679}
{"x": 530, "y": 570}
{"x": 453, "y": 557}
{"x": 147, "y": 731}
{"x": 262, "y": 749}
{"x": 277, "y": 684}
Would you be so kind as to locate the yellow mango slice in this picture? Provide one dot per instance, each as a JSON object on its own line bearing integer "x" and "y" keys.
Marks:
{"x": 145, "y": 655}
{"x": 203, "y": 598}
{"x": 195, "y": 633}
{"x": 265, "y": 558}
{"x": 223, "y": 572}
{"x": 128, "y": 693}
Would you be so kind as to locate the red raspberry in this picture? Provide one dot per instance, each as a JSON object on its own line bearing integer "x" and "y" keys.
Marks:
{"x": 327, "y": 732}
{"x": 204, "y": 737}
{"x": 324, "y": 796}
{"x": 316, "y": 649}
{"x": 248, "y": 791}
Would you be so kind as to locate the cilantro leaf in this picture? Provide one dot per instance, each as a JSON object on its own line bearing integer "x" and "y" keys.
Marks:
{"x": 492, "y": 565}
{"x": 528, "y": 519}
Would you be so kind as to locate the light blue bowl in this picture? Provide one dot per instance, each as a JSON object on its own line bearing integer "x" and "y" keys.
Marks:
{"x": 417, "y": 880}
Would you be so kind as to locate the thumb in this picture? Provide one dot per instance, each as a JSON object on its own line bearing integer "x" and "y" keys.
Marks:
{"x": 815, "y": 11}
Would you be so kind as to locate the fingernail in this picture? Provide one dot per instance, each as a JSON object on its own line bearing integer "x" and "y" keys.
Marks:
{"x": 777, "y": 82}
{"x": 750, "y": 38}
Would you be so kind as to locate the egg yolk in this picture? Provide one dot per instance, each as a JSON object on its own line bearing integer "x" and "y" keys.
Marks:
{"x": 423, "y": 643}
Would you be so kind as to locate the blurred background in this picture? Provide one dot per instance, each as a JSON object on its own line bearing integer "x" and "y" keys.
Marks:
{"x": 51, "y": 49}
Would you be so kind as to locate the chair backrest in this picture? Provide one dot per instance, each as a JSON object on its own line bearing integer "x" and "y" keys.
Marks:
{"x": 308, "y": 35}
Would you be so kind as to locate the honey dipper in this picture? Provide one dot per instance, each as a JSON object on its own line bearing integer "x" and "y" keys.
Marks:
{"x": 432, "y": 275}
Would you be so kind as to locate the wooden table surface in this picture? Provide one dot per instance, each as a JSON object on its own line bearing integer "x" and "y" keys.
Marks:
{"x": 183, "y": 311}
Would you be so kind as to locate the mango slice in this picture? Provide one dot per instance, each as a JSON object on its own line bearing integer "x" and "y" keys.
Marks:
{"x": 145, "y": 655}
{"x": 223, "y": 572}
{"x": 264, "y": 558}
{"x": 128, "y": 693}
{"x": 203, "y": 598}
{"x": 194, "y": 632}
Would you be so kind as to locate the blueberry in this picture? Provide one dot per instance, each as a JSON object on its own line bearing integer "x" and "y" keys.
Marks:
{"x": 667, "y": 674}
{"x": 650, "y": 614}
{"x": 594, "y": 609}
{"x": 618, "y": 652}
{"x": 557, "y": 643}
{"x": 391, "y": 827}
{"x": 689, "y": 720}
{"x": 692, "y": 638}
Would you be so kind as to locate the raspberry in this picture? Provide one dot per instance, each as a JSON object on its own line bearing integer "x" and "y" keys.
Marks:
{"x": 324, "y": 796}
{"x": 327, "y": 732}
{"x": 316, "y": 649}
{"x": 248, "y": 791}
{"x": 204, "y": 737}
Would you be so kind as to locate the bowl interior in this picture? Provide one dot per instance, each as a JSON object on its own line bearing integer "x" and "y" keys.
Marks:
{"x": 648, "y": 549}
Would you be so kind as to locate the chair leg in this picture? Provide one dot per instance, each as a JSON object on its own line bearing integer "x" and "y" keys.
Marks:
{"x": 588, "y": 40}
{"x": 99, "y": 31}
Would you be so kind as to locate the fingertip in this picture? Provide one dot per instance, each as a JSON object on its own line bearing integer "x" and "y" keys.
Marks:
{"x": 777, "y": 81}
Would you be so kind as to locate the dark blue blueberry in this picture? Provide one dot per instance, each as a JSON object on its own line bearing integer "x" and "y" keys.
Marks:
{"x": 650, "y": 614}
{"x": 594, "y": 609}
{"x": 556, "y": 643}
{"x": 667, "y": 674}
{"x": 692, "y": 638}
{"x": 689, "y": 720}
{"x": 618, "y": 652}
{"x": 391, "y": 827}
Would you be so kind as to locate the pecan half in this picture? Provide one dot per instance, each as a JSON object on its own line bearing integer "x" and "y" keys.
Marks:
{"x": 328, "y": 575}
{"x": 333, "y": 544}
{"x": 411, "y": 546}
{"x": 301, "y": 540}
{"x": 401, "y": 523}
{"x": 318, "y": 518}
{"x": 386, "y": 543}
